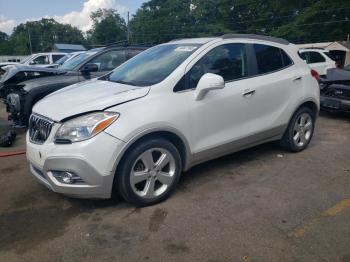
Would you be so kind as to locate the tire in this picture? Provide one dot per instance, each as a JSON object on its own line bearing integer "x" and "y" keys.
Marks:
{"x": 299, "y": 131}
{"x": 149, "y": 172}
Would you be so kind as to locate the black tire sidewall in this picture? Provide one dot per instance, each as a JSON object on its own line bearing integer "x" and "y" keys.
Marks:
{"x": 287, "y": 140}
{"x": 123, "y": 173}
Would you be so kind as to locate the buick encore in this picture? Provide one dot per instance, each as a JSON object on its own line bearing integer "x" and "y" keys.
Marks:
{"x": 132, "y": 132}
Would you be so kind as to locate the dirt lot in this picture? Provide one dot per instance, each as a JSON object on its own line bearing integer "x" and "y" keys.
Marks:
{"x": 261, "y": 204}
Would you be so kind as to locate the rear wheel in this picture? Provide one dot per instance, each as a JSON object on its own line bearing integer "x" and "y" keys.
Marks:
{"x": 149, "y": 172}
{"x": 300, "y": 130}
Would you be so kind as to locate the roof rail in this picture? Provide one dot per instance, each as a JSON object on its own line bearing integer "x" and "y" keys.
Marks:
{"x": 256, "y": 37}
{"x": 119, "y": 43}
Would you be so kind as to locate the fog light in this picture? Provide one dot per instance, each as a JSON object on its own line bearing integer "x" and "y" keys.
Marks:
{"x": 67, "y": 177}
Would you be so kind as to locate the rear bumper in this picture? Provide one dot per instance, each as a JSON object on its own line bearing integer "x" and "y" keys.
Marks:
{"x": 335, "y": 104}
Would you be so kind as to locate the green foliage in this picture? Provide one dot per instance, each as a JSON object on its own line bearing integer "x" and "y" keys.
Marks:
{"x": 296, "y": 20}
{"x": 43, "y": 35}
{"x": 108, "y": 27}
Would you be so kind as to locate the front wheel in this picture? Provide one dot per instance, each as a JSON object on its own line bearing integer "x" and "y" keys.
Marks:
{"x": 149, "y": 172}
{"x": 300, "y": 130}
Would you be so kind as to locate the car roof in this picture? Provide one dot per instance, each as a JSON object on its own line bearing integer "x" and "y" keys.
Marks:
{"x": 231, "y": 36}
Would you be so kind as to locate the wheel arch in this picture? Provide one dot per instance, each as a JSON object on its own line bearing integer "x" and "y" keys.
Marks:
{"x": 172, "y": 135}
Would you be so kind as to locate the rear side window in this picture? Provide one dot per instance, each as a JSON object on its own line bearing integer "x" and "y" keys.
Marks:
{"x": 312, "y": 57}
{"x": 270, "y": 58}
{"x": 228, "y": 61}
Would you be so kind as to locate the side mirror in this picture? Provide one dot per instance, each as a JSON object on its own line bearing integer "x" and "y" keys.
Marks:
{"x": 32, "y": 63}
{"x": 88, "y": 68}
{"x": 207, "y": 83}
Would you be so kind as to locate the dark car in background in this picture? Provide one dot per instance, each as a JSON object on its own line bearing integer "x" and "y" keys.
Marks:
{"x": 335, "y": 90}
{"x": 21, "y": 95}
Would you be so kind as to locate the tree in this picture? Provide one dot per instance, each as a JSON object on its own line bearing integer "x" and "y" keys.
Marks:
{"x": 296, "y": 20}
{"x": 43, "y": 35}
{"x": 108, "y": 27}
{"x": 4, "y": 43}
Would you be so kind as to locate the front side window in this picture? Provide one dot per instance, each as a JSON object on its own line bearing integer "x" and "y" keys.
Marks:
{"x": 228, "y": 61}
{"x": 270, "y": 58}
{"x": 109, "y": 60}
{"x": 41, "y": 60}
{"x": 153, "y": 65}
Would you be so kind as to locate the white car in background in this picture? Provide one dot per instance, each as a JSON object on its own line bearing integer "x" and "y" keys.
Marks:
{"x": 318, "y": 59}
{"x": 40, "y": 59}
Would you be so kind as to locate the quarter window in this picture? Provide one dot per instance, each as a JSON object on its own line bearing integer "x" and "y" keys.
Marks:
{"x": 228, "y": 61}
{"x": 270, "y": 58}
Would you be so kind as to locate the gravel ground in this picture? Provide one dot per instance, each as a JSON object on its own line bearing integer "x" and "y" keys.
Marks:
{"x": 261, "y": 204}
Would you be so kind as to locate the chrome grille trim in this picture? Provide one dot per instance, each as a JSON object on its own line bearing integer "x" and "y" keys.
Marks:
{"x": 39, "y": 128}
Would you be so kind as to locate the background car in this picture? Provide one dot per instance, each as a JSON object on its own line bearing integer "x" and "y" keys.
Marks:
{"x": 319, "y": 60}
{"x": 21, "y": 95}
{"x": 40, "y": 59}
{"x": 335, "y": 90}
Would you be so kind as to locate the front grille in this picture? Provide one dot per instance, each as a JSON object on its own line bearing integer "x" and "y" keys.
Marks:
{"x": 39, "y": 128}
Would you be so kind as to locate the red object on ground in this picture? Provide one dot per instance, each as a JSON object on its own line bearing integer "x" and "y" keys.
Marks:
{"x": 8, "y": 154}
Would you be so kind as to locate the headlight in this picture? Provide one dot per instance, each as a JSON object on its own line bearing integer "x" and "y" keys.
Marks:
{"x": 85, "y": 127}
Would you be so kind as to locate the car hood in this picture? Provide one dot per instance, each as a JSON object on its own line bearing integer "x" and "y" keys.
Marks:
{"x": 88, "y": 96}
{"x": 12, "y": 70}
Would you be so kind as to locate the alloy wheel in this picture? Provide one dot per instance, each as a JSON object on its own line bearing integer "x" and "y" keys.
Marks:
{"x": 153, "y": 173}
{"x": 302, "y": 130}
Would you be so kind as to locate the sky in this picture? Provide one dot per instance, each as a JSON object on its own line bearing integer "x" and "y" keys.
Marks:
{"x": 74, "y": 12}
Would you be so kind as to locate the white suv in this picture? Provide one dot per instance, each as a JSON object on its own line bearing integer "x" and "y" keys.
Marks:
{"x": 133, "y": 131}
{"x": 318, "y": 59}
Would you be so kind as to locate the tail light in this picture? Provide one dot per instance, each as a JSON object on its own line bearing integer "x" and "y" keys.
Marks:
{"x": 315, "y": 75}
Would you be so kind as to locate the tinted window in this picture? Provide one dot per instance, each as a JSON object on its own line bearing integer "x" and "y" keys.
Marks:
{"x": 312, "y": 57}
{"x": 316, "y": 58}
{"x": 109, "y": 60}
{"x": 228, "y": 61}
{"x": 286, "y": 59}
{"x": 153, "y": 65}
{"x": 56, "y": 57}
{"x": 269, "y": 58}
{"x": 132, "y": 53}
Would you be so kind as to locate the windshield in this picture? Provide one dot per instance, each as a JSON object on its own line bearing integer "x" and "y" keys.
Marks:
{"x": 72, "y": 63}
{"x": 153, "y": 65}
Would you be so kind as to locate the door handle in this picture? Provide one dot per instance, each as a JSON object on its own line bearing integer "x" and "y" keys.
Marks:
{"x": 297, "y": 78}
{"x": 248, "y": 92}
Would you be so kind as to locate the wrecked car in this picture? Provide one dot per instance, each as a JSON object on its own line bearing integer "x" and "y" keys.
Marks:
{"x": 88, "y": 65}
{"x": 335, "y": 90}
